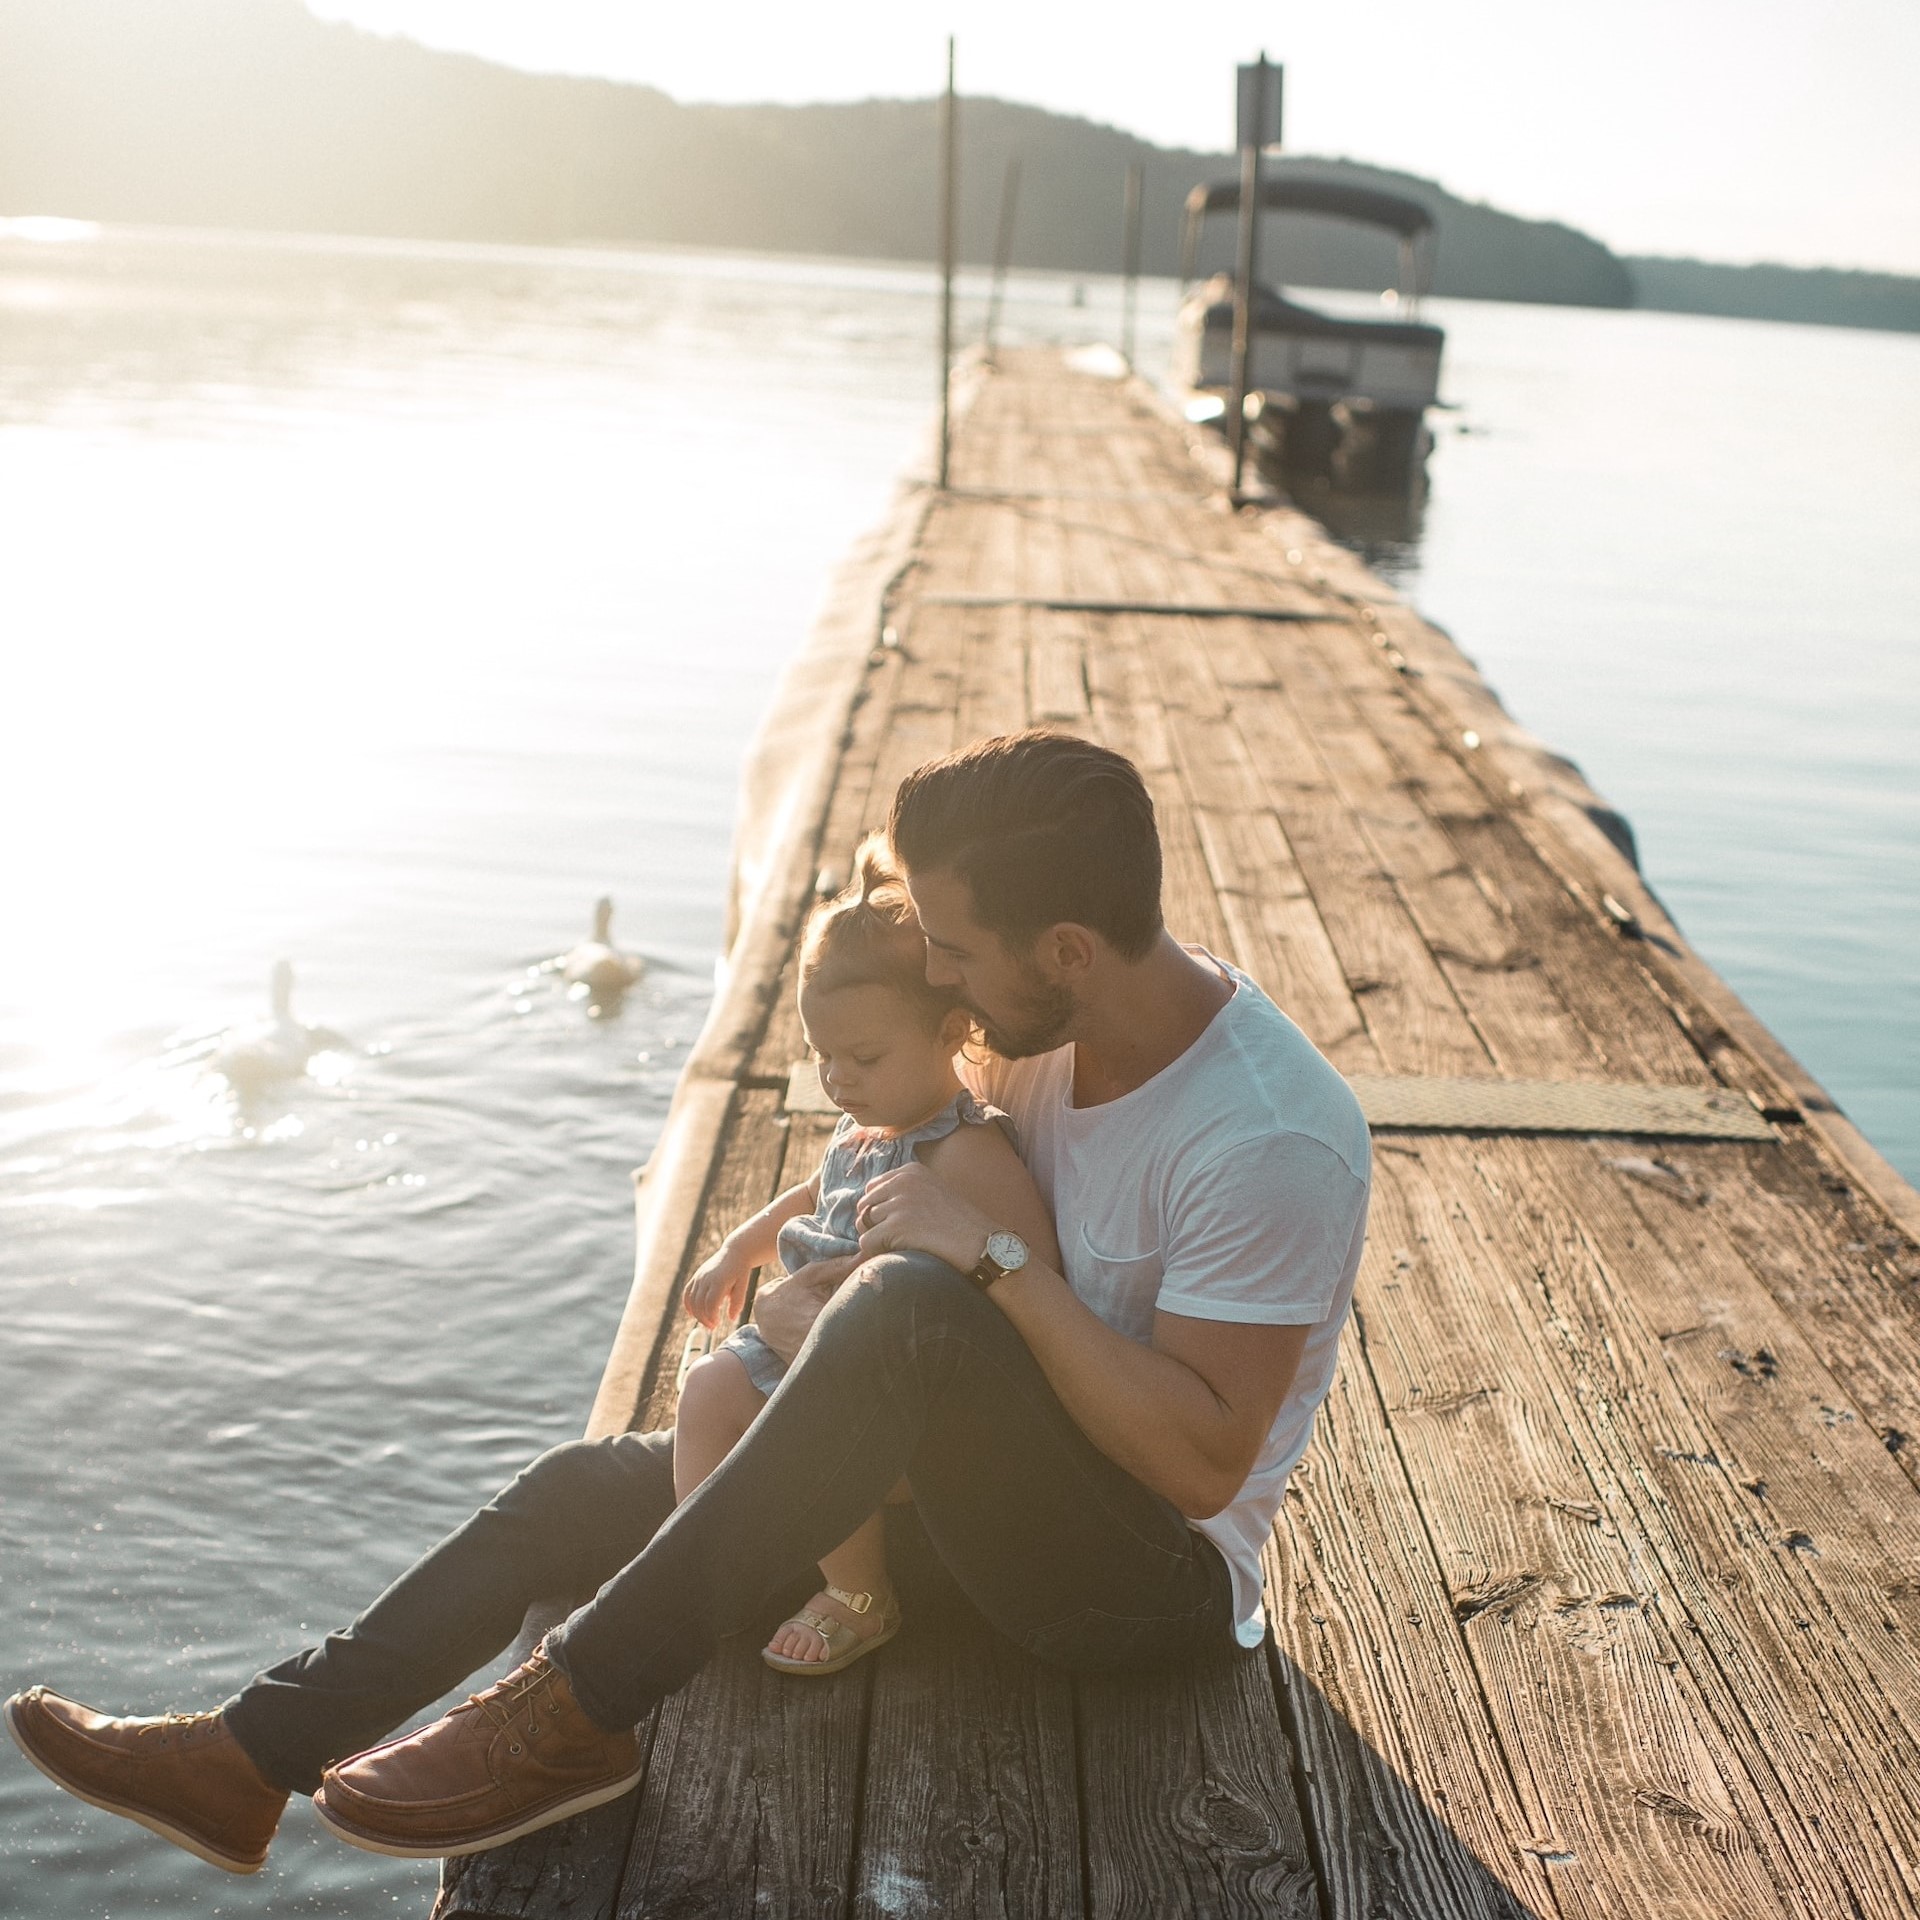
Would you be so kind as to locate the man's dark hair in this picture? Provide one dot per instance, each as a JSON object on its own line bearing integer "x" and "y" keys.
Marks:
{"x": 1043, "y": 827}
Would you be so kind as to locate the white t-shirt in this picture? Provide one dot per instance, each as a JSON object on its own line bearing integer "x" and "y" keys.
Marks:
{"x": 1231, "y": 1186}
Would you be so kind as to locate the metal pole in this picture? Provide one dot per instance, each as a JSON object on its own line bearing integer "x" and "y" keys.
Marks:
{"x": 1003, "y": 245}
{"x": 950, "y": 170}
{"x": 1247, "y": 265}
{"x": 1136, "y": 177}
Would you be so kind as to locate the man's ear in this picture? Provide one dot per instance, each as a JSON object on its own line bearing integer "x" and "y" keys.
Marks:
{"x": 1067, "y": 951}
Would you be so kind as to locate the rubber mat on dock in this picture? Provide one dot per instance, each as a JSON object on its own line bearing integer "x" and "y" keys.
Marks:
{"x": 1437, "y": 1104}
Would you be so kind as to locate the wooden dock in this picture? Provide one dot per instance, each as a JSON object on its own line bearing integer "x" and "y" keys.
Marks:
{"x": 1598, "y": 1592}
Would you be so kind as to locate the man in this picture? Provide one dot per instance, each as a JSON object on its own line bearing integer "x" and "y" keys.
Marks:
{"x": 1095, "y": 1455}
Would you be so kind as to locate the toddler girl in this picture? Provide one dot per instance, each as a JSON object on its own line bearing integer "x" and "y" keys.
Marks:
{"x": 884, "y": 1040}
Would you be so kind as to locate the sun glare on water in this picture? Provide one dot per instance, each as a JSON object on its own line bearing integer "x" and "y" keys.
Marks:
{"x": 186, "y": 702}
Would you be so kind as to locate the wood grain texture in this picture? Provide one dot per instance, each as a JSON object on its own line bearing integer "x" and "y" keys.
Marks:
{"x": 993, "y": 672}
{"x": 1186, "y": 1780}
{"x": 1410, "y": 1797}
{"x": 1410, "y": 1007}
{"x": 1495, "y": 973}
{"x": 1127, "y": 718}
{"x": 1580, "y": 1648}
{"x": 970, "y": 1805}
{"x": 568, "y": 1872}
{"x": 1770, "y": 1509}
{"x": 1850, "y": 1281}
{"x": 1274, "y": 930}
{"x": 1057, "y": 670}
{"x": 752, "y": 1800}
{"x": 1629, "y": 1024}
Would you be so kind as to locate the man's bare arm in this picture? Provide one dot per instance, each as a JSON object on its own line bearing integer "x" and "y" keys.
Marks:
{"x": 1186, "y": 1415}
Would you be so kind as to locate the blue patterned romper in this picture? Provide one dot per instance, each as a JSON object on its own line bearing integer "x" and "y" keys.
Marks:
{"x": 856, "y": 1156}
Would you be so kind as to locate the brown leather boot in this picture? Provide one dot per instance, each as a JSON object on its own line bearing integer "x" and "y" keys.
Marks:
{"x": 515, "y": 1758}
{"x": 182, "y": 1776}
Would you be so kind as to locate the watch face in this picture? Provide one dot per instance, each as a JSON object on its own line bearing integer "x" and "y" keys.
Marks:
{"x": 1007, "y": 1251}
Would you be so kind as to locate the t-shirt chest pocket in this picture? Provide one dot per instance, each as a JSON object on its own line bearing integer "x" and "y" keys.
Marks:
{"x": 1121, "y": 1287}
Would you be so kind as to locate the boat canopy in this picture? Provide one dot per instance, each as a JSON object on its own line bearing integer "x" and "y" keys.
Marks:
{"x": 1339, "y": 199}
{"x": 1333, "y": 199}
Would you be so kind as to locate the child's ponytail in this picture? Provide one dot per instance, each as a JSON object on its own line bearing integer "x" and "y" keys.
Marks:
{"x": 867, "y": 935}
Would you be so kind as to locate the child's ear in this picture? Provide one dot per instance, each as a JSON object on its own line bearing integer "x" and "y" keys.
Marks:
{"x": 956, "y": 1029}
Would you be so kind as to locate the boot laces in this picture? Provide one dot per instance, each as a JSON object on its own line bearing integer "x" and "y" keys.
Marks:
{"x": 167, "y": 1724}
{"x": 502, "y": 1701}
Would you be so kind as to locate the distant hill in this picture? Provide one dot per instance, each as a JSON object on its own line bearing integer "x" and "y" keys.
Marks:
{"x": 253, "y": 114}
{"x": 1820, "y": 296}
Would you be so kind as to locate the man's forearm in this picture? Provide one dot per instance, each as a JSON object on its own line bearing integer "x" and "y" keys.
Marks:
{"x": 1145, "y": 1410}
{"x": 1186, "y": 1416}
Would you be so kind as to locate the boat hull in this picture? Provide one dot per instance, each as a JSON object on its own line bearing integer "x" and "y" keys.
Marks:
{"x": 1299, "y": 355}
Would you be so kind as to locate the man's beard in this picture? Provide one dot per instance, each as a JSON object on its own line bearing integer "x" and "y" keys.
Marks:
{"x": 1038, "y": 1024}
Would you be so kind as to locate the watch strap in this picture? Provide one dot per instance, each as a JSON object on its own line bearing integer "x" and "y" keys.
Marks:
{"x": 986, "y": 1270}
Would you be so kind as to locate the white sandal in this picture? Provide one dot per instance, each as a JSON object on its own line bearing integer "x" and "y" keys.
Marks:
{"x": 844, "y": 1645}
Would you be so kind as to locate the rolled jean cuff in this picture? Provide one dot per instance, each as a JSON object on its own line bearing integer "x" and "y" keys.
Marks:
{"x": 595, "y": 1706}
{"x": 277, "y": 1769}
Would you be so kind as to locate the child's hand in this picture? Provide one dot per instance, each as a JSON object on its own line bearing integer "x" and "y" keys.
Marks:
{"x": 717, "y": 1284}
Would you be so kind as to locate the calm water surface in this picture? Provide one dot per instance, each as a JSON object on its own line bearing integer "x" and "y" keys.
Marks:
{"x": 379, "y": 607}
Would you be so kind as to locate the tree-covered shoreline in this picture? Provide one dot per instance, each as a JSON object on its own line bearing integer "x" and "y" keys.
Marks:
{"x": 254, "y": 114}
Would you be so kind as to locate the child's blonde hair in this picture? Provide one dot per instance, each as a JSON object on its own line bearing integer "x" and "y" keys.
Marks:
{"x": 867, "y": 936}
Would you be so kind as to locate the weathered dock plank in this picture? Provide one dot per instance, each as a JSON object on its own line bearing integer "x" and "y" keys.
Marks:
{"x": 1188, "y": 1784}
{"x": 1598, "y": 1593}
{"x": 1415, "y": 1812}
{"x": 972, "y": 1807}
{"x": 752, "y": 1795}
{"x": 1583, "y": 1671}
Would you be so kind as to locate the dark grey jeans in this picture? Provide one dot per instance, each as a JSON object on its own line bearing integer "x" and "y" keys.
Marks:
{"x": 910, "y": 1371}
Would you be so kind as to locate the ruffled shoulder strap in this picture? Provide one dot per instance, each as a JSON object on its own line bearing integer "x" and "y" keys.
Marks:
{"x": 964, "y": 1109}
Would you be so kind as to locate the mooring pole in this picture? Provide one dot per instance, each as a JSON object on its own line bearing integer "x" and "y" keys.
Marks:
{"x": 1258, "y": 129}
{"x": 1252, "y": 133}
{"x": 1003, "y": 246}
{"x": 1130, "y": 256}
{"x": 949, "y": 197}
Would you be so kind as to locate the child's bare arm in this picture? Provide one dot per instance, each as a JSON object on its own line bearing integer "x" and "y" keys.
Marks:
{"x": 722, "y": 1280}
{"x": 980, "y": 1165}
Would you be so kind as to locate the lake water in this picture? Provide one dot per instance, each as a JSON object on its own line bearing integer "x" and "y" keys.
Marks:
{"x": 380, "y": 606}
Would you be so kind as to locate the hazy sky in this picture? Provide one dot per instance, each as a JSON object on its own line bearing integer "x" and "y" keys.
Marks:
{"x": 1730, "y": 129}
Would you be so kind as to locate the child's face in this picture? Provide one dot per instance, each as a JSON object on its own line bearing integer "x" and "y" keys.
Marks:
{"x": 876, "y": 1058}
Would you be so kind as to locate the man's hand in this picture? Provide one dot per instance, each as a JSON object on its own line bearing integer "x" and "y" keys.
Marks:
{"x": 908, "y": 1210}
{"x": 786, "y": 1310}
{"x": 718, "y": 1283}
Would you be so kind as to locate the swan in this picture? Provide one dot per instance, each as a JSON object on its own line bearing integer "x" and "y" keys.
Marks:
{"x": 597, "y": 964}
{"x": 261, "y": 1052}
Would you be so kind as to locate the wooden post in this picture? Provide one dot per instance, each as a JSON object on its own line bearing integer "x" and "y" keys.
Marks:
{"x": 1130, "y": 256}
{"x": 949, "y": 196}
{"x": 1003, "y": 246}
{"x": 1251, "y": 132}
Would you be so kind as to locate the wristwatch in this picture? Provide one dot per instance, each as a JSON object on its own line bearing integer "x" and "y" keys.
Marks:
{"x": 1006, "y": 1253}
